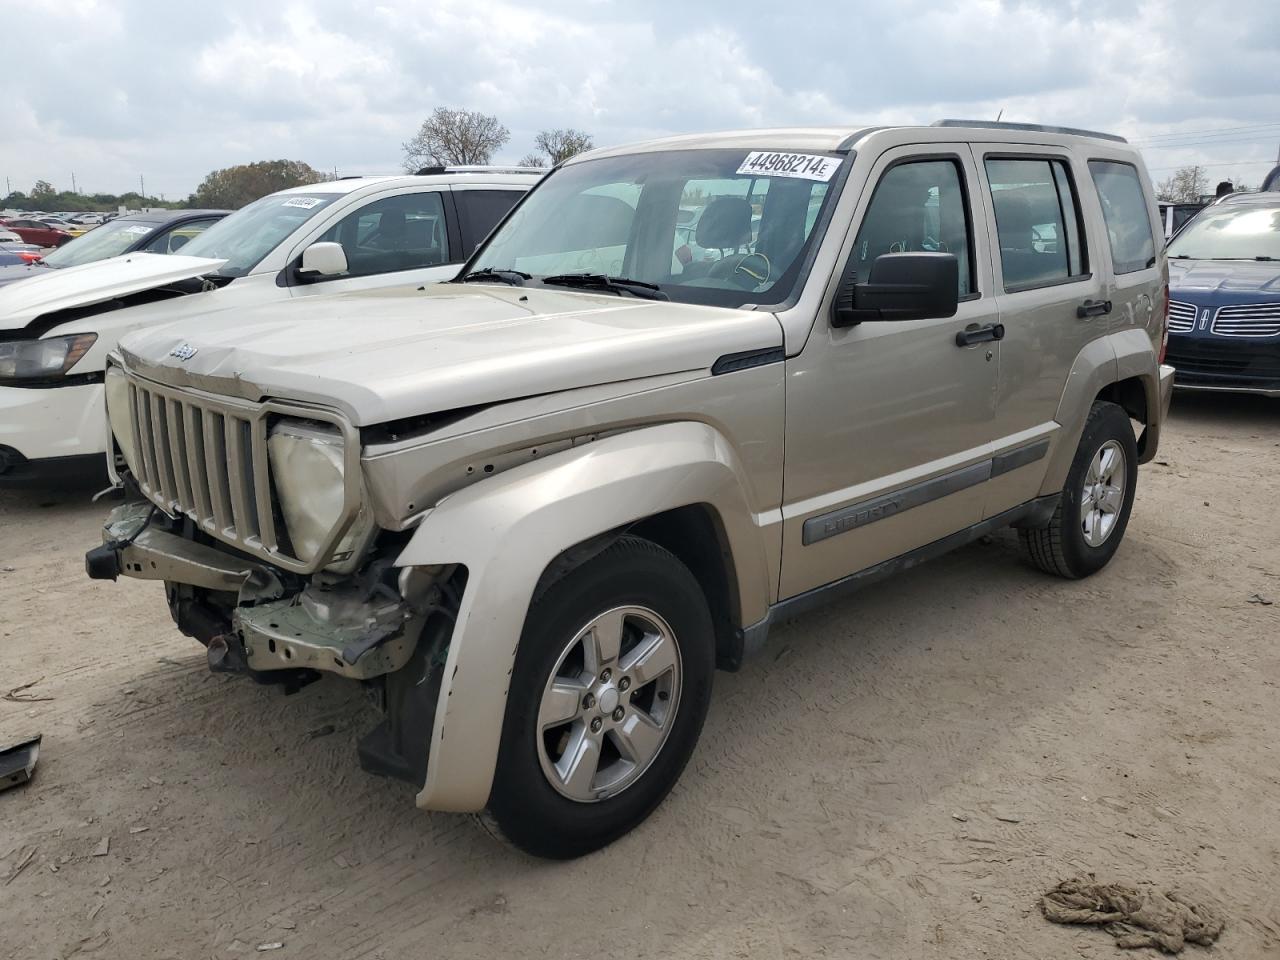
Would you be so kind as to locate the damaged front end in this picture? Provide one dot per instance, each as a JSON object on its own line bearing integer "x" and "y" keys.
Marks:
{"x": 387, "y": 627}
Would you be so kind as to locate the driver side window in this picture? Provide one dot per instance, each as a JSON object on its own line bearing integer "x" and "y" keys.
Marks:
{"x": 918, "y": 206}
{"x": 405, "y": 232}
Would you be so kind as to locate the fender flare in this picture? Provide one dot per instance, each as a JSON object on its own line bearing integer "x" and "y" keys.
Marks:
{"x": 506, "y": 530}
{"x": 1118, "y": 356}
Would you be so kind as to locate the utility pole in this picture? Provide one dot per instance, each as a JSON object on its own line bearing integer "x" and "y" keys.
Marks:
{"x": 142, "y": 185}
{"x": 73, "y": 182}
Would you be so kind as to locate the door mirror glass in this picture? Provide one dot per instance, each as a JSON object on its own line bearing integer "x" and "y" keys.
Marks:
{"x": 323, "y": 260}
{"x": 902, "y": 286}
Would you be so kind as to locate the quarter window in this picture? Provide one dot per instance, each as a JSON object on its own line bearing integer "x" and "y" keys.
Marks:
{"x": 917, "y": 206}
{"x": 1037, "y": 221}
{"x": 1124, "y": 208}
{"x": 480, "y": 210}
{"x": 405, "y": 232}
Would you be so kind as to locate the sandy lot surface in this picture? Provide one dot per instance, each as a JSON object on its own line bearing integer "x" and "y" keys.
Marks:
{"x": 899, "y": 777}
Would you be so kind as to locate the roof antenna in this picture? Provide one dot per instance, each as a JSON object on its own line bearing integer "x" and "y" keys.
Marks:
{"x": 1000, "y": 114}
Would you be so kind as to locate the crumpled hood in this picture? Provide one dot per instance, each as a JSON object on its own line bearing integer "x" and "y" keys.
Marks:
{"x": 402, "y": 352}
{"x": 48, "y": 291}
{"x": 1226, "y": 277}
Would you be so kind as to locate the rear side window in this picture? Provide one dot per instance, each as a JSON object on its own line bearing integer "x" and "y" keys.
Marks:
{"x": 479, "y": 212}
{"x": 918, "y": 206}
{"x": 1125, "y": 210}
{"x": 1037, "y": 221}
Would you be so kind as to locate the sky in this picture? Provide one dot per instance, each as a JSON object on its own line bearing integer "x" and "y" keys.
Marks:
{"x": 168, "y": 90}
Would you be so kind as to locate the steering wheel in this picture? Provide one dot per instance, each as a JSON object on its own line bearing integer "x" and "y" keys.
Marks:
{"x": 748, "y": 270}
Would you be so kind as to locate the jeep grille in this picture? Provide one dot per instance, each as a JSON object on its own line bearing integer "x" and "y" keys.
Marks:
{"x": 205, "y": 457}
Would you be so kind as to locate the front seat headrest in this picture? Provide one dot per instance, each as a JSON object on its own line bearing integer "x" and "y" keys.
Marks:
{"x": 725, "y": 223}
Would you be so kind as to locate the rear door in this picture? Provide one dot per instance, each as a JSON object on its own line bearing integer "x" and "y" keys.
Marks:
{"x": 1051, "y": 299}
{"x": 889, "y": 424}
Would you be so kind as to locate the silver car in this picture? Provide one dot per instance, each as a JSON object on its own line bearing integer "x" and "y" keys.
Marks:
{"x": 536, "y": 508}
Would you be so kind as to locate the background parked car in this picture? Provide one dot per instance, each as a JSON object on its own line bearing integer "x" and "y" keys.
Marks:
{"x": 16, "y": 259}
{"x": 1174, "y": 215}
{"x": 38, "y": 232}
{"x": 163, "y": 231}
{"x": 354, "y": 234}
{"x": 1224, "y": 297}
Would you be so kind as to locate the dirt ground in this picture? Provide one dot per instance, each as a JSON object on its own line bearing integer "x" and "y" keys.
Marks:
{"x": 899, "y": 776}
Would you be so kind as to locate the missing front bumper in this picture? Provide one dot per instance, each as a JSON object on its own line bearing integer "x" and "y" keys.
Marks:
{"x": 348, "y": 627}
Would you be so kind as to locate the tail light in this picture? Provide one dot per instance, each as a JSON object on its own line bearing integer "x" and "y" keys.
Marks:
{"x": 1164, "y": 327}
{"x": 29, "y": 256}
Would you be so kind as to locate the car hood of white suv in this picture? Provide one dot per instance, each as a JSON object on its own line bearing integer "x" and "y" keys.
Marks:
{"x": 404, "y": 352}
{"x": 57, "y": 290}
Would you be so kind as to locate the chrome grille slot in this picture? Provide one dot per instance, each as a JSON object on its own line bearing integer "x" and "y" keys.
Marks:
{"x": 1182, "y": 317}
{"x": 177, "y": 457}
{"x": 1248, "y": 320}
{"x": 206, "y": 457}
{"x": 215, "y": 452}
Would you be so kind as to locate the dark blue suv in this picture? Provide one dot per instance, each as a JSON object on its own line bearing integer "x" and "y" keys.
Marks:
{"x": 1224, "y": 293}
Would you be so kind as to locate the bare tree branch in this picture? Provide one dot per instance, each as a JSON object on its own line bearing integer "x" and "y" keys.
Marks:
{"x": 556, "y": 146}
{"x": 454, "y": 137}
{"x": 1187, "y": 185}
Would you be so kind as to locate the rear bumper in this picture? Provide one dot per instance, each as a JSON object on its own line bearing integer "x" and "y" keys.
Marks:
{"x": 46, "y": 423}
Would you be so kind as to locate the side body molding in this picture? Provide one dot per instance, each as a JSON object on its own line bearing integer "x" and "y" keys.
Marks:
{"x": 507, "y": 529}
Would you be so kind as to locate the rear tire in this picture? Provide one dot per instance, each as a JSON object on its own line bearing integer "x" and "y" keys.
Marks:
{"x": 583, "y": 759}
{"x": 1093, "y": 512}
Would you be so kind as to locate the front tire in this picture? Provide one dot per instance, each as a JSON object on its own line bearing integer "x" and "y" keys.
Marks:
{"x": 611, "y": 685}
{"x": 1093, "y": 512}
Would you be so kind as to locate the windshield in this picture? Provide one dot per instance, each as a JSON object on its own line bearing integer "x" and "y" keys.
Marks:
{"x": 1230, "y": 233}
{"x": 723, "y": 227}
{"x": 109, "y": 240}
{"x": 245, "y": 237}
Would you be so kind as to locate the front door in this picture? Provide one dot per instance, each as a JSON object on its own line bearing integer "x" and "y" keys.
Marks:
{"x": 889, "y": 424}
{"x": 400, "y": 239}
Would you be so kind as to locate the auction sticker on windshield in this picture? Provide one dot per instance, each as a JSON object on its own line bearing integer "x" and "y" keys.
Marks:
{"x": 306, "y": 203}
{"x": 805, "y": 166}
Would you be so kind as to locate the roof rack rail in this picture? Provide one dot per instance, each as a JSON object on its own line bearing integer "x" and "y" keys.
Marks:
{"x": 1034, "y": 127}
{"x": 476, "y": 168}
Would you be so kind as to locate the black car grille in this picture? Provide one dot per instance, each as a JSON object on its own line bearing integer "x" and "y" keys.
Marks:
{"x": 1204, "y": 362}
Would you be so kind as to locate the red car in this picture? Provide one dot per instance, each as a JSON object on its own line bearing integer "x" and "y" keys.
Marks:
{"x": 34, "y": 231}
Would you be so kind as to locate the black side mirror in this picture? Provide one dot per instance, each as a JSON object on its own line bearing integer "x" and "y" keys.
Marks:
{"x": 902, "y": 286}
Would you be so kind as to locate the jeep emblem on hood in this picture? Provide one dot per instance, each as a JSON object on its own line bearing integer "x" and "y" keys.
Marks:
{"x": 183, "y": 351}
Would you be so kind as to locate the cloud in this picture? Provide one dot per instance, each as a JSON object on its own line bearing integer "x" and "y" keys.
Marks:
{"x": 114, "y": 90}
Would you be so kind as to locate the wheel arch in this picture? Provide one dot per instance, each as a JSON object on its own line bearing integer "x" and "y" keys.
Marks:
{"x": 517, "y": 528}
{"x": 1119, "y": 368}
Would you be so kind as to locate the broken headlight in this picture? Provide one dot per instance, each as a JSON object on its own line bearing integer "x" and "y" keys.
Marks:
{"x": 308, "y": 464}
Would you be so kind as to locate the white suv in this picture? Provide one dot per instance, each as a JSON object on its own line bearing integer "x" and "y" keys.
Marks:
{"x": 353, "y": 234}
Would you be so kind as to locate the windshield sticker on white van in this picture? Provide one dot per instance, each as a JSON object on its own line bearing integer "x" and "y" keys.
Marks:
{"x": 136, "y": 229}
{"x": 804, "y": 166}
{"x": 306, "y": 203}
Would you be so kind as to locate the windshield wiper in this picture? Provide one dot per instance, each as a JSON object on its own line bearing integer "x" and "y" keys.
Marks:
{"x": 598, "y": 281}
{"x": 485, "y": 274}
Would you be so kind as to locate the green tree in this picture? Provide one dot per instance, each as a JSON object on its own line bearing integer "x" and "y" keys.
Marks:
{"x": 43, "y": 195}
{"x": 450, "y": 137}
{"x": 233, "y": 187}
